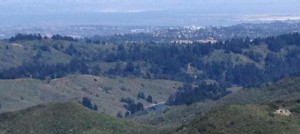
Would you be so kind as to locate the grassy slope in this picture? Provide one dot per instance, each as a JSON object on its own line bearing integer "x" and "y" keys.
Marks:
{"x": 65, "y": 118}
{"x": 103, "y": 91}
{"x": 227, "y": 115}
{"x": 20, "y": 52}
{"x": 247, "y": 119}
{"x": 286, "y": 89}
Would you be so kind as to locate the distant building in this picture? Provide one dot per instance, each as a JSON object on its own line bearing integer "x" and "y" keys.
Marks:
{"x": 208, "y": 40}
{"x": 182, "y": 42}
{"x": 283, "y": 112}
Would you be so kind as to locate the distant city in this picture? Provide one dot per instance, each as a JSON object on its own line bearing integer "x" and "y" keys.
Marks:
{"x": 180, "y": 34}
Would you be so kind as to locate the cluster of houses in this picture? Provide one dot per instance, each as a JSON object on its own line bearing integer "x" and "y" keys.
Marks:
{"x": 206, "y": 40}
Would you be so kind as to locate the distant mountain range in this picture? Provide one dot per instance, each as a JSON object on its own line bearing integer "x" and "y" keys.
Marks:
{"x": 141, "y": 12}
{"x": 147, "y": 18}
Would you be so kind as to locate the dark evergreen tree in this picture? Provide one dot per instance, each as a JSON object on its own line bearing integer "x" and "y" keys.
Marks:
{"x": 119, "y": 115}
{"x": 71, "y": 50}
{"x": 127, "y": 114}
{"x": 149, "y": 99}
{"x": 129, "y": 67}
{"x": 95, "y": 107}
{"x": 87, "y": 103}
{"x": 141, "y": 95}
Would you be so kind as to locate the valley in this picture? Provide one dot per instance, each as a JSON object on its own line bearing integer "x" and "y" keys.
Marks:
{"x": 137, "y": 83}
{"x": 149, "y": 67}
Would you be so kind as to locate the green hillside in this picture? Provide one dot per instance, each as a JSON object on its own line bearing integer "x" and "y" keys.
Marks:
{"x": 192, "y": 79}
{"x": 231, "y": 114}
{"x": 15, "y": 54}
{"x": 285, "y": 89}
{"x": 250, "y": 119}
{"x": 241, "y": 62}
{"x": 105, "y": 92}
{"x": 66, "y": 118}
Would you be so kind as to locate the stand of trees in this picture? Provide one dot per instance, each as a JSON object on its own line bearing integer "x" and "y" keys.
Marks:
{"x": 187, "y": 94}
{"x": 40, "y": 70}
{"x": 31, "y": 37}
{"x": 132, "y": 106}
{"x": 88, "y": 103}
{"x": 19, "y": 37}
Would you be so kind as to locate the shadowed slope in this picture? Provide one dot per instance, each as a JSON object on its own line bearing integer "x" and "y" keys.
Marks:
{"x": 64, "y": 118}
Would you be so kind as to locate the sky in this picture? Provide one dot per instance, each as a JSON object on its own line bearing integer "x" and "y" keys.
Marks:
{"x": 137, "y": 12}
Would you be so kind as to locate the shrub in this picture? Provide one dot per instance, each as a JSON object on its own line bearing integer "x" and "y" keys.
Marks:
{"x": 95, "y": 107}
{"x": 295, "y": 109}
{"x": 127, "y": 114}
{"x": 119, "y": 115}
{"x": 131, "y": 105}
{"x": 149, "y": 99}
{"x": 87, "y": 103}
{"x": 141, "y": 95}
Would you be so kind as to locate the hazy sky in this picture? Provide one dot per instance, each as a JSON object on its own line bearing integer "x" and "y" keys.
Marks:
{"x": 115, "y": 11}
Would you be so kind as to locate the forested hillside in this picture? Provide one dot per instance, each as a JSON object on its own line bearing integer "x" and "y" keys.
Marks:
{"x": 235, "y": 62}
{"x": 270, "y": 58}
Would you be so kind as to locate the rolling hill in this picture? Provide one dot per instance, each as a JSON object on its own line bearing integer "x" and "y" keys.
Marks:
{"x": 39, "y": 70}
{"x": 66, "y": 118}
{"x": 285, "y": 89}
{"x": 251, "y": 119}
{"x": 234, "y": 113}
{"x": 103, "y": 91}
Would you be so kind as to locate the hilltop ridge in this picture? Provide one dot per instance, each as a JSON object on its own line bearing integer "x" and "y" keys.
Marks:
{"x": 63, "y": 118}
